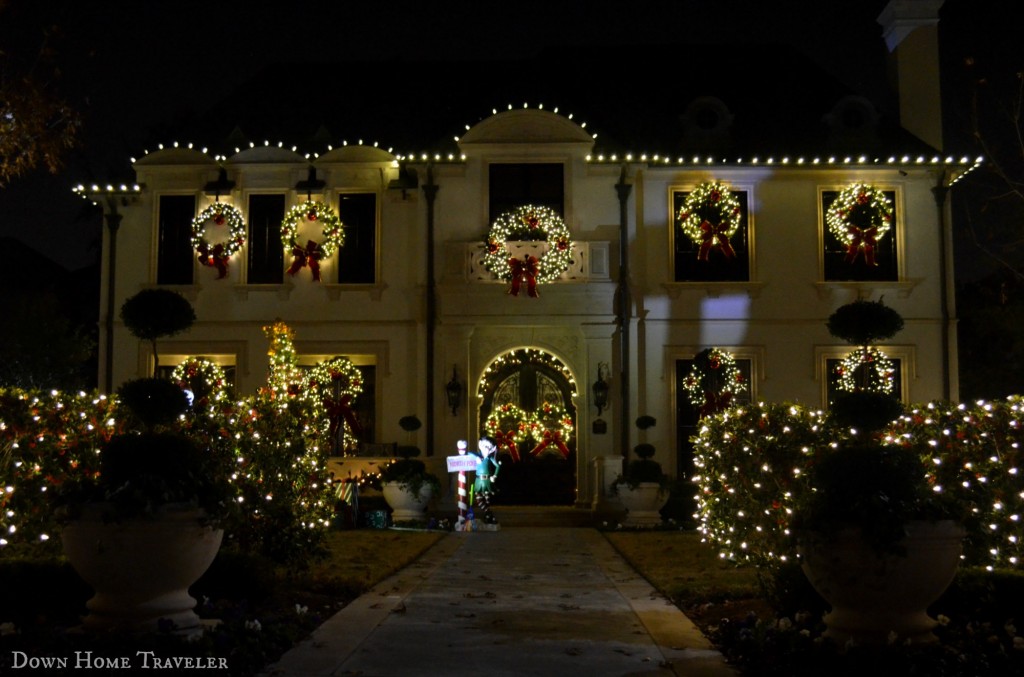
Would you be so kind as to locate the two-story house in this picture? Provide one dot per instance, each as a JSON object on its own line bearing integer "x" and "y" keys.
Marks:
{"x": 415, "y": 299}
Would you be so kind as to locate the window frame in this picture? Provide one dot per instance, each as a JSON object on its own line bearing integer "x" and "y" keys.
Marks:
{"x": 905, "y": 354}
{"x": 747, "y": 189}
{"x": 157, "y": 230}
{"x": 377, "y": 237}
{"x": 897, "y": 232}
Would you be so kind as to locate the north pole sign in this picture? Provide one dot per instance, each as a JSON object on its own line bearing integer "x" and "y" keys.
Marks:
{"x": 461, "y": 463}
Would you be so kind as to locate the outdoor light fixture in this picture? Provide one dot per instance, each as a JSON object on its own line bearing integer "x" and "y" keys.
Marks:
{"x": 600, "y": 389}
{"x": 453, "y": 391}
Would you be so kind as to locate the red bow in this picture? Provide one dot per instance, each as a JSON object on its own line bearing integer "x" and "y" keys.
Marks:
{"x": 863, "y": 240}
{"x": 708, "y": 235}
{"x": 524, "y": 271}
{"x": 714, "y": 403}
{"x": 507, "y": 440}
{"x": 215, "y": 258}
{"x": 339, "y": 409}
{"x": 310, "y": 255}
{"x": 552, "y": 437}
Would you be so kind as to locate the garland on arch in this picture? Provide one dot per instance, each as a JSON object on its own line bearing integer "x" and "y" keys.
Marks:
{"x": 713, "y": 381}
{"x": 866, "y": 369}
{"x": 710, "y": 215}
{"x": 528, "y": 223}
{"x": 313, "y": 252}
{"x": 216, "y": 255}
{"x": 860, "y": 216}
{"x": 336, "y": 383}
{"x": 204, "y": 379}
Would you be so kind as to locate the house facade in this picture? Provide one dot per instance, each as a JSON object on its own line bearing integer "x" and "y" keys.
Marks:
{"x": 414, "y": 301}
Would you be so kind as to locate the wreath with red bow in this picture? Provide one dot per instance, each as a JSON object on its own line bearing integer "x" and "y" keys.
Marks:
{"x": 216, "y": 255}
{"x": 528, "y": 223}
{"x": 713, "y": 381}
{"x": 336, "y": 383}
{"x": 710, "y": 216}
{"x": 550, "y": 427}
{"x": 313, "y": 252}
{"x": 859, "y": 216}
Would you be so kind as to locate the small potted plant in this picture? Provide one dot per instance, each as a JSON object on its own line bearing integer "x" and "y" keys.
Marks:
{"x": 877, "y": 543}
{"x": 405, "y": 483}
{"x": 147, "y": 527}
{"x": 643, "y": 487}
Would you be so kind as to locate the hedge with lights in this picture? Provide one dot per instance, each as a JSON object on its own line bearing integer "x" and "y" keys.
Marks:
{"x": 312, "y": 252}
{"x": 974, "y": 453}
{"x": 710, "y": 215}
{"x": 860, "y": 216}
{"x": 528, "y": 223}
{"x": 217, "y": 254}
{"x": 751, "y": 470}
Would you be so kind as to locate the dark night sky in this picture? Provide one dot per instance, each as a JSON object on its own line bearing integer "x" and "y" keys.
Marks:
{"x": 138, "y": 69}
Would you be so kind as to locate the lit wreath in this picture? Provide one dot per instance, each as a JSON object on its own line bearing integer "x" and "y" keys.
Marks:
{"x": 710, "y": 215}
{"x": 508, "y": 425}
{"x": 530, "y": 223}
{"x": 336, "y": 383}
{"x": 551, "y": 425}
{"x": 313, "y": 252}
{"x": 880, "y": 371}
{"x": 713, "y": 380}
{"x": 859, "y": 217}
{"x": 201, "y": 378}
{"x": 216, "y": 255}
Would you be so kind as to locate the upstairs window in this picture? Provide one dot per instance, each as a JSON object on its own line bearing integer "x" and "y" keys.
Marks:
{"x": 266, "y": 253}
{"x": 514, "y": 185}
{"x": 357, "y": 260}
{"x": 174, "y": 250}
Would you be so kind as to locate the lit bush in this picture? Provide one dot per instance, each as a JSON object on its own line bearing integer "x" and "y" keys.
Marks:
{"x": 973, "y": 452}
{"x": 751, "y": 468}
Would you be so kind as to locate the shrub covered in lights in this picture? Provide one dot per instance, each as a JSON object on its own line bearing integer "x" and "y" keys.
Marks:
{"x": 751, "y": 464}
{"x": 973, "y": 452}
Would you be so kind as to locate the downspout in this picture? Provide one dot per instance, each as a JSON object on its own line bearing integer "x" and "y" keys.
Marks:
{"x": 113, "y": 219}
{"x": 430, "y": 193}
{"x": 625, "y": 306}
{"x": 948, "y": 300}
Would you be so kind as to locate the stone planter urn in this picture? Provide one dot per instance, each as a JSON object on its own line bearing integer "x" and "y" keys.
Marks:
{"x": 643, "y": 504}
{"x": 874, "y": 594}
{"x": 141, "y": 568}
{"x": 407, "y": 506}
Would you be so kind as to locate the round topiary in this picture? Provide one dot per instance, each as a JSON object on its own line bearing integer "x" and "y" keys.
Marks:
{"x": 409, "y": 423}
{"x": 644, "y": 451}
{"x": 864, "y": 322}
{"x": 644, "y": 422}
{"x": 866, "y": 411}
{"x": 153, "y": 401}
{"x": 153, "y": 313}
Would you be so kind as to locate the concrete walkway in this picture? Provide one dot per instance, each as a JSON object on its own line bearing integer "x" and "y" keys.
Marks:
{"x": 520, "y": 601}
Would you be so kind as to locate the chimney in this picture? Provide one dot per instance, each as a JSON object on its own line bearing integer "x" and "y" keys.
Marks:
{"x": 911, "y": 32}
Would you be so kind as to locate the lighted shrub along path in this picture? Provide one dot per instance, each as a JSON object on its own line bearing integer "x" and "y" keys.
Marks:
{"x": 753, "y": 464}
{"x": 279, "y": 438}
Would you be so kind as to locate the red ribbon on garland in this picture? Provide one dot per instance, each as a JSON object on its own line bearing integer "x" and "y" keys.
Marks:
{"x": 863, "y": 239}
{"x": 310, "y": 255}
{"x": 714, "y": 403}
{"x": 507, "y": 440}
{"x": 215, "y": 258}
{"x": 342, "y": 409}
{"x": 709, "y": 233}
{"x": 524, "y": 271}
{"x": 552, "y": 437}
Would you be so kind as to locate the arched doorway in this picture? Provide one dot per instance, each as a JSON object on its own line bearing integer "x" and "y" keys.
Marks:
{"x": 527, "y": 400}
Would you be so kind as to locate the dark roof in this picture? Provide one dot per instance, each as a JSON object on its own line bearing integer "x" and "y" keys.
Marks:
{"x": 634, "y": 100}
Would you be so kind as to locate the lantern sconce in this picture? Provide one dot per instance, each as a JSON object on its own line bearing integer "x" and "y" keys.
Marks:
{"x": 453, "y": 391}
{"x": 600, "y": 388}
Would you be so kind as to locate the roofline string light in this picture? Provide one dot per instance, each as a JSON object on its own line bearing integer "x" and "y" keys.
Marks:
{"x": 964, "y": 162}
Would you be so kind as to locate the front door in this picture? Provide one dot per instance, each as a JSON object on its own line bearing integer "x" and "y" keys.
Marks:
{"x": 527, "y": 396}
